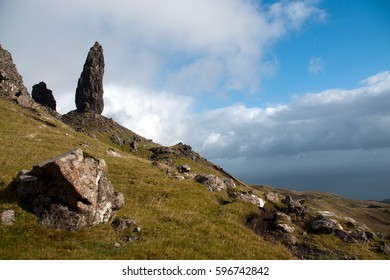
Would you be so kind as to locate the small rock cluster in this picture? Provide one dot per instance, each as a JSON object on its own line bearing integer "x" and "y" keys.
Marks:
{"x": 291, "y": 217}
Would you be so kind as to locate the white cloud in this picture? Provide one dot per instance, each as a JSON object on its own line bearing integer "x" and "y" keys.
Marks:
{"x": 188, "y": 47}
{"x": 159, "y": 116}
{"x": 316, "y": 65}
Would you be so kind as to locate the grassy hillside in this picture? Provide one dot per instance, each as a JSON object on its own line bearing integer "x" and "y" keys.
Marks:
{"x": 179, "y": 219}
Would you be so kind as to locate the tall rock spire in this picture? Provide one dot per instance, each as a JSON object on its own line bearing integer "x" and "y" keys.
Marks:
{"x": 89, "y": 92}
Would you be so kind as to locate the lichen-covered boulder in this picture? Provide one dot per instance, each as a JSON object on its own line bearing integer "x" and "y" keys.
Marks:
{"x": 69, "y": 192}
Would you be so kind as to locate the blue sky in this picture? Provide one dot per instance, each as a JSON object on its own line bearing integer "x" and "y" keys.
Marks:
{"x": 288, "y": 93}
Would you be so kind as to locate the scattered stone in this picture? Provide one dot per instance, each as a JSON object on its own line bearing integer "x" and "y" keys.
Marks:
{"x": 160, "y": 150}
{"x": 118, "y": 201}
{"x": 184, "y": 168}
{"x": 326, "y": 213}
{"x": 286, "y": 228}
{"x": 180, "y": 178}
{"x": 117, "y": 245}
{"x": 117, "y": 140}
{"x": 344, "y": 236}
{"x": 11, "y": 82}
{"x": 44, "y": 96}
{"x": 370, "y": 235}
{"x": 282, "y": 217}
{"x": 132, "y": 238}
{"x": 291, "y": 202}
{"x": 113, "y": 153}
{"x": 325, "y": 225}
{"x": 8, "y": 217}
{"x": 123, "y": 223}
{"x": 385, "y": 248}
{"x": 273, "y": 197}
{"x": 133, "y": 146}
{"x": 360, "y": 236}
{"x": 69, "y": 192}
{"x": 89, "y": 92}
{"x": 212, "y": 182}
{"x": 251, "y": 198}
{"x": 229, "y": 183}
{"x": 289, "y": 239}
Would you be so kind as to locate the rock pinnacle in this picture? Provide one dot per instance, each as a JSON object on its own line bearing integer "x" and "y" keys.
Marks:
{"x": 89, "y": 92}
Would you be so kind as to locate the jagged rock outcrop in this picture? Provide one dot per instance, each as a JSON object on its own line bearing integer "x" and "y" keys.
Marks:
{"x": 89, "y": 92}
{"x": 69, "y": 192}
{"x": 44, "y": 96}
{"x": 11, "y": 82}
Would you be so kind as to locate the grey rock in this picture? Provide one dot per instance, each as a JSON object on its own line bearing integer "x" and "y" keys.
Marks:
{"x": 89, "y": 92}
{"x": 179, "y": 177}
{"x": 325, "y": 225}
{"x": 44, "y": 96}
{"x": 212, "y": 182}
{"x": 118, "y": 201}
{"x": 251, "y": 198}
{"x": 11, "y": 82}
{"x": 291, "y": 202}
{"x": 385, "y": 248}
{"x": 273, "y": 197}
{"x": 286, "y": 228}
{"x": 8, "y": 217}
{"x": 117, "y": 140}
{"x": 229, "y": 183}
{"x": 69, "y": 192}
{"x": 344, "y": 236}
{"x": 123, "y": 223}
{"x": 360, "y": 235}
{"x": 185, "y": 168}
{"x": 113, "y": 153}
{"x": 134, "y": 146}
{"x": 282, "y": 217}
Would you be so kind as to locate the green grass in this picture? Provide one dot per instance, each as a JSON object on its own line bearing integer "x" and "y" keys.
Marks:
{"x": 179, "y": 219}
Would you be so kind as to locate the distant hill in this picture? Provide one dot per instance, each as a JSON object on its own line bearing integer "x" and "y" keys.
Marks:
{"x": 387, "y": 201}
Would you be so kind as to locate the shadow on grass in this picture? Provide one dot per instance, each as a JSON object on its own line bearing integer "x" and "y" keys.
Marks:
{"x": 8, "y": 193}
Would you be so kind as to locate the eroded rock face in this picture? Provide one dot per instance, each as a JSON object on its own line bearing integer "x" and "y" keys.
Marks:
{"x": 44, "y": 96}
{"x": 11, "y": 82}
{"x": 89, "y": 92}
{"x": 69, "y": 192}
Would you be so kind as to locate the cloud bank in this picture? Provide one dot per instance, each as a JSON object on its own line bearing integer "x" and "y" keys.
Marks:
{"x": 329, "y": 140}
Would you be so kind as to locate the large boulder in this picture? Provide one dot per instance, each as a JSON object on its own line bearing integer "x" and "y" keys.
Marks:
{"x": 44, "y": 96}
{"x": 69, "y": 192}
{"x": 89, "y": 92}
{"x": 11, "y": 82}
